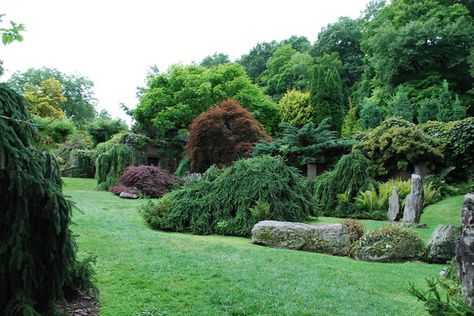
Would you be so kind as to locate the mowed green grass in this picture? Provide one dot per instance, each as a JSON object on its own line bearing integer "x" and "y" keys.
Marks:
{"x": 141, "y": 271}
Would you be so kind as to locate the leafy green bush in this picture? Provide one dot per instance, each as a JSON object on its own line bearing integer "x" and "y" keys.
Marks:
{"x": 350, "y": 175}
{"x": 458, "y": 140}
{"x": 398, "y": 145}
{"x": 371, "y": 114}
{"x": 233, "y": 200}
{"x": 52, "y": 131}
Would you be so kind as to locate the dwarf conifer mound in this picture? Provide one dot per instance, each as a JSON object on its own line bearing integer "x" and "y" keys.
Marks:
{"x": 231, "y": 201}
{"x": 37, "y": 251}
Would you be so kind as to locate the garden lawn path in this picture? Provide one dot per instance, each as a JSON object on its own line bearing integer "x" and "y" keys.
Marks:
{"x": 141, "y": 271}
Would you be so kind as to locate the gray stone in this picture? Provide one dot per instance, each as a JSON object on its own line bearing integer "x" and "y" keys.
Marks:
{"x": 311, "y": 170}
{"x": 442, "y": 244}
{"x": 323, "y": 238}
{"x": 393, "y": 206}
{"x": 414, "y": 201}
{"x": 127, "y": 195}
{"x": 465, "y": 249}
{"x": 421, "y": 169}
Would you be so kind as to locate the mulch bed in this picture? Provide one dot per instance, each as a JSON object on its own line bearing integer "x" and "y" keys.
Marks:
{"x": 85, "y": 304}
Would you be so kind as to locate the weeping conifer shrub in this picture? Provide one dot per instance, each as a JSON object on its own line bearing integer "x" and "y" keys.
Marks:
{"x": 37, "y": 251}
{"x": 350, "y": 175}
{"x": 225, "y": 202}
{"x": 111, "y": 165}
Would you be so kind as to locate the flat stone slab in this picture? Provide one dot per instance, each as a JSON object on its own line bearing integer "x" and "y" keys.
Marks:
{"x": 322, "y": 238}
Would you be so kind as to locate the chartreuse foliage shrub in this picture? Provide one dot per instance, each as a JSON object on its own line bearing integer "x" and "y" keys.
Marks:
{"x": 398, "y": 145}
{"x": 110, "y": 166}
{"x": 458, "y": 140}
{"x": 350, "y": 175}
{"x": 231, "y": 201}
{"x": 37, "y": 250}
{"x": 151, "y": 181}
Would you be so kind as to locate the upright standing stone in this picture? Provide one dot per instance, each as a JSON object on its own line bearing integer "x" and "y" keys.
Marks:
{"x": 311, "y": 169}
{"x": 414, "y": 201}
{"x": 465, "y": 249}
{"x": 393, "y": 205}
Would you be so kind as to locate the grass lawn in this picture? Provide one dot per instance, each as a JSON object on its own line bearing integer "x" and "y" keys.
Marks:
{"x": 141, "y": 271}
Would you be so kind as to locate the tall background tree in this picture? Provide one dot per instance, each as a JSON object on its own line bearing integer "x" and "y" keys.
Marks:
{"x": 326, "y": 93}
{"x": 80, "y": 102}
{"x": 215, "y": 60}
{"x": 419, "y": 44}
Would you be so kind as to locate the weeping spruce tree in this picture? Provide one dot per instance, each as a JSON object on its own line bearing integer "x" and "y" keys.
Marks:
{"x": 37, "y": 251}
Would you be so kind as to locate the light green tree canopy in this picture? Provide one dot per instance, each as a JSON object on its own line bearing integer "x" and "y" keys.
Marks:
{"x": 171, "y": 100}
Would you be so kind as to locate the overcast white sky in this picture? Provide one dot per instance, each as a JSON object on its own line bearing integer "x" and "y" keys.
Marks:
{"x": 114, "y": 43}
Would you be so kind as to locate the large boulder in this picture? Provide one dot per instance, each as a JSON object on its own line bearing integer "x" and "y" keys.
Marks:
{"x": 414, "y": 201}
{"x": 442, "y": 244}
{"x": 388, "y": 244}
{"x": 465, "y": 249}
{"x": 331, "y": 239}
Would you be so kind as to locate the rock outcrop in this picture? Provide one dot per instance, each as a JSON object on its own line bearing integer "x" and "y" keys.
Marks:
{"x": 331, "y": 239}
{"x": 465, "y": 249}
{"x": 442, "y": 244}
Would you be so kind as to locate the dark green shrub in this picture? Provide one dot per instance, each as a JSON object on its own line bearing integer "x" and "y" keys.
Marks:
{"x": 110, "y": 166}
{"x": 371, "y": 114}
{"x": 350, "y": 175}
{"x": 309, "y": 143}
{"x": 233, "y": 200}
{"x": 398, "y": 145}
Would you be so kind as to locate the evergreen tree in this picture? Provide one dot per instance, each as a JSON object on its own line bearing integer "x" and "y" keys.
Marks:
{"x": 400, "y": 105}
{"x": 326, "y": 96}
{"x": 37, "y": 252}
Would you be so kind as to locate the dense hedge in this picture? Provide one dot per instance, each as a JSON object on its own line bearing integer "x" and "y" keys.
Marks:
{"x": 458, "y": 140}
{"x": 233, "y": 200}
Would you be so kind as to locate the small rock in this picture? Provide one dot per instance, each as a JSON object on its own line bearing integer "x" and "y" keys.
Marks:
{"x": 127, "y": 195}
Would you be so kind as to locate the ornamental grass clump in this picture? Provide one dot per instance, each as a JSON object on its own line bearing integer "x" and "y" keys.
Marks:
{"x": 151, "y": 181}
{"x": 231, "y": 201}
